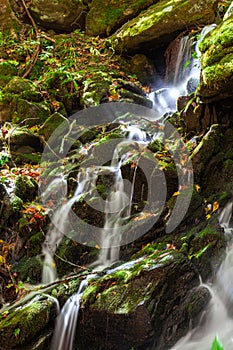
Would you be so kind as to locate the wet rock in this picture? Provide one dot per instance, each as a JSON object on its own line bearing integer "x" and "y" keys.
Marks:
{"x": 161, "y": 23}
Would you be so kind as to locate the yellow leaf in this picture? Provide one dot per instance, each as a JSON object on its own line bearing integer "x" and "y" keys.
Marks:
{"x": 2, "y": 260}
{"x": 208, "y": 216}
{"x": 176, "y": 194}
{"x": 197, "y": 188}
{"x": 215, "y": 206}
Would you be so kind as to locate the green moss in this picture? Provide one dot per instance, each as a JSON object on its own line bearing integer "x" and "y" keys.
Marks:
{"x": 51, "y": 124}
{"x": 152, "y": 23}
{"x": 20, "y": 326}
{"x": 16, "y": 203}
{"x": 34, "y": 243}
{"x": 25, "y": 187}
{"x": 29, "y": 268}
{"x": 217, "y": 57}
{"x": 104, "y": 16}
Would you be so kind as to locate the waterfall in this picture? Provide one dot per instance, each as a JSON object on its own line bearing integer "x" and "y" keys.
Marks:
{"x": 185, "y": 75}
{"x": 117, "y": 208}
{"x": 219, "y": 317}
{"x": 118, "y": 203}
{"x": 61, "y": 224}
{"x": 64, "y": 333}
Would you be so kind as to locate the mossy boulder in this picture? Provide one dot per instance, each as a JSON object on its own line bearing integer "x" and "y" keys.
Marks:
{"x": 20, "y": 136}
{"x": 59, "y": 16}
{"x": 8, "y": 69}
{"x": 22, "y": 102}
{"x": 217, "y": 66}
{"x": 25, "y": 188}
{"x": 106, "y": 16}
{"x": 161, "y": 23}
{"x": 29, "y": 269}
{"x": 208, "y": 146}
{"x": 149, "y": 302}
{"x": 24, "y": 88}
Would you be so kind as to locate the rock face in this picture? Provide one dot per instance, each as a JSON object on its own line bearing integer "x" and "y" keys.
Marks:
{"x": 60, "y": 16}
{"x": 161, "y": 22}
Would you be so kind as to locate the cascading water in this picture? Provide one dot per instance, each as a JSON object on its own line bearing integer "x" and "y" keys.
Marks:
{"x": 118, "y": 203}
{"x": 219, "y": 317}
{"x": 117, "y": 210}
{"x": 185, "y": 77}
{"x": 63, "y": 336}
{"x": 61, "y": 222}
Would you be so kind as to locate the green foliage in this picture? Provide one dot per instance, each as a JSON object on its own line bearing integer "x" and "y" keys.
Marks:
{"x": 16, "y": 332}
{"x": 217, "y": 345}
{"x": 4, "y": 158}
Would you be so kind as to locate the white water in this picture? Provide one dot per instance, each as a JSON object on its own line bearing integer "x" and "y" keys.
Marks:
{"x": 117, "y": 205}
{"x": 218, "y": 320}
{"x": 64, "y": 333}
{"x": 61, "y": 223}
{"x": 184, "y": 79}
{"x": 117, "y": 209}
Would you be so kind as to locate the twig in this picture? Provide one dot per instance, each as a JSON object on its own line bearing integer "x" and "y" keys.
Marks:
{"x": 30, "y": 17}
{"x": 36, "y": 54}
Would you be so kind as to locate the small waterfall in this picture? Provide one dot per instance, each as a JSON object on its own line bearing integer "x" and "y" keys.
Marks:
{"x": 61, "y": 223}
{"x": 64, "y": 333}
{"x": 219, "y": 317}
{"x": 183, "y": 77}
{"x": 118, "y": 204}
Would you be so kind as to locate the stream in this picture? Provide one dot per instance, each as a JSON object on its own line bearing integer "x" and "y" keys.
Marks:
{"x": 117, "y": 211}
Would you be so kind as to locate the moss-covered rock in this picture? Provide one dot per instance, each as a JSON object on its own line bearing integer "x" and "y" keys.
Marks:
{"x": 207, "y": 147}
{"x": 10, "y": 23}
{"x": 217, "y": 66}
{"x": 8, "y": 69}
{"x": 22, "y": 102}
{"x": 147, "y": 302}
{"x": 161, "y": 22}
{"x": 106, "y": 16}
{"x": 29, "y": 269}
{"x": 25, "y": 188}
{"x": 59, "y": 16}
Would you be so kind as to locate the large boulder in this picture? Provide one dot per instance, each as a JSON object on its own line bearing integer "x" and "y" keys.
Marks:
{"x": 162, "y": 22}
{"x": 59, "y": 16}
